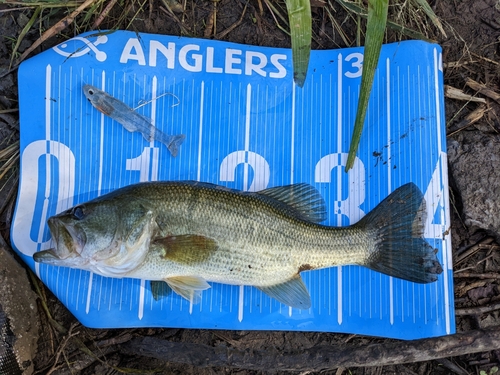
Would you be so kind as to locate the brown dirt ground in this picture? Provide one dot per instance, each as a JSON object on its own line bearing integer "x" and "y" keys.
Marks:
{"x": 470, "y": 50}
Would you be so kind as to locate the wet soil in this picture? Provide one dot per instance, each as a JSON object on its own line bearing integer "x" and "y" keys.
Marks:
{"x": 470, "y": 50}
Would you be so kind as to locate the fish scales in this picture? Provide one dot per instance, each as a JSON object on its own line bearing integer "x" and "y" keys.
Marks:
{"x": 258, "y": 244}
{"x": 188, "y": 233}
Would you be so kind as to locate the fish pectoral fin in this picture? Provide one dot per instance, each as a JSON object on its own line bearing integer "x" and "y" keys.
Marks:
{"x": 292, "y": 293}
{"x": 160, "y": 289}
{"x": 187, "y": 249}
{"x": 304, "y": 201}
{"x": 189, "y": 287}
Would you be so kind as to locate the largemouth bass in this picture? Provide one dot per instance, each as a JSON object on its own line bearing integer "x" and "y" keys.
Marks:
{"x": 191, "y": 233}
{"x": 130, "y": 119}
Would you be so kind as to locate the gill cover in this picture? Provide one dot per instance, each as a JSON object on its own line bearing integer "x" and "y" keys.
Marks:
{"x": 104, "y": 236}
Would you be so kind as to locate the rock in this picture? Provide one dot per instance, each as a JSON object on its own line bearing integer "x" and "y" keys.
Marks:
{"x": 18, "y": 317}
{"x": 474, "y": 160}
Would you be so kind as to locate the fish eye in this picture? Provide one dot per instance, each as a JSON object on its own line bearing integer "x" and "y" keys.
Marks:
{"x": 78, "y": 212}
{"x": 91, "y": 92}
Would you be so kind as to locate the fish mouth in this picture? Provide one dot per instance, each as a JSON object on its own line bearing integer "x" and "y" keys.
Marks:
{"x": 69, "y": 241}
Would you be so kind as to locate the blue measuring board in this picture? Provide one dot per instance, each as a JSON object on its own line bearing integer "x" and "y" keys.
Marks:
{"x": 247, "y": 126}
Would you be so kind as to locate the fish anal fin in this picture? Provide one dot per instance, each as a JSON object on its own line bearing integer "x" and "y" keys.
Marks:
{"x": 302, "y": 200}
{"x": 160, "y": 289}
{"x": 187, "y": 249}
{"x": 189, "y": 287}
{"x": 292, "y": 293}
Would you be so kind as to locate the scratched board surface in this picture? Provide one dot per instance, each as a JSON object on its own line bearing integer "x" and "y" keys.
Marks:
{"x": 247, "y": 127}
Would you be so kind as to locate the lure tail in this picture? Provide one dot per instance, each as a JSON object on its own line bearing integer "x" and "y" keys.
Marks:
{"x": 171, "y": 141}
{"x": 175, "y": 142}
{"x": 397, "y": 226}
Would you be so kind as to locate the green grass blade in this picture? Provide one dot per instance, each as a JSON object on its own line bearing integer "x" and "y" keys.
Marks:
{"x": 375, "y": 28}
{"x": 390, "y": 24}
{"x": 299, "y": 17}
{"x": 23, "y": 33}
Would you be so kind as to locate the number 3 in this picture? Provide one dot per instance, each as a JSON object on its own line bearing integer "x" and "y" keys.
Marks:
{"x": 358, "y": 63}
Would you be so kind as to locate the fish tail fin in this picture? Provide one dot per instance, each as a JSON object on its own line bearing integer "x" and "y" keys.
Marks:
{"x": 173, "y": 142}
{"x": 399, "y": 249}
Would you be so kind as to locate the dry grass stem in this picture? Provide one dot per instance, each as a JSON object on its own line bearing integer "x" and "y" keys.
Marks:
{"x": 458, "y": 64}
{"x": 486, "y": 243}
{"x": 57, "y": 28}
{"x": 477, "y": 310}
{"x": 485, "y": 58}
{"x": 470, "y": 119}
{"x": 103, "y": 14}
{"x": 168, "y": 11}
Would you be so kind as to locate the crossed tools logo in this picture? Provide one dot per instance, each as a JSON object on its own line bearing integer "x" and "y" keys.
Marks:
{"x": 66, "y": 49}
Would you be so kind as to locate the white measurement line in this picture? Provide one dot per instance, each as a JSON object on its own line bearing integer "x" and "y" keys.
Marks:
{"x": 150, "y": 165}
{"x": 48, "y": 83}
{"x": 247, "y": 136}
{"x": 142, "y": 289}
{"x": 339, "y": 179}
{"x": 246, "y": 184}
{"x": 99, "y": 183}
{"x": 445, "y": 217}
{"x": 101, "y": 140}
{"x": 202, "y": 96}
{"x": 292, "y": 148}
{"x": 89, "y": 293}
{"x": 292, "y": 143}
{"x": 389, "y": 180}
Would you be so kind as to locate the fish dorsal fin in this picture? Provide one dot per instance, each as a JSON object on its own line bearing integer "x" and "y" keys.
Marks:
{"x": 160, "y": 289}
{"x": 292, "y": 293}
{"x": 189, "y": 287}
{"x": 304, "y": 200}
{"x": 188, "y": 248}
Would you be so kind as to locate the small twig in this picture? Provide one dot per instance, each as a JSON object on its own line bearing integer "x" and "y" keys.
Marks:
{"x": 103, "y": 14}
{"x": 485, "y": 58}
{"x": 483, "y": 89}
{"x": 210, "y": 24}
{"x": 483, "y": 244}
{"x": 317, "y": 358}
{"x": 2, "y": 111}
{"x": 233, "y": 26}
{"x": 61, "y": 347}
{"x": 477, "y": 310}
{"x": 454, "y": 93}
{"x": 45, "y": 308}
{"x": 114, "y": 340}
{"x": 473, "y": 275}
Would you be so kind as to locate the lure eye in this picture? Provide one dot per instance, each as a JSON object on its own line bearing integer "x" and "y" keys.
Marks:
{"x": 78, "y": 213}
